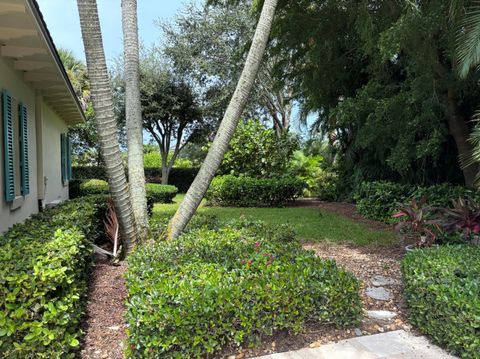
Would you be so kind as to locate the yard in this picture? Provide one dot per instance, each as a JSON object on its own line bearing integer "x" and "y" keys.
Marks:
{"x": 311, "y": 224}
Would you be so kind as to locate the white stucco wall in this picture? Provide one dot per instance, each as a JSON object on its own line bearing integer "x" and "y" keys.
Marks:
{"x": 12, "y": 81}
{"x": 53, "y": 127}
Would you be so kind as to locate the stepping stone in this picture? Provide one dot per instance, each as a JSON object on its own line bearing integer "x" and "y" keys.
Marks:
{"x": 381, "y": 314}
{"x": 379, "y": 293}
{"x": 380, "y": 281}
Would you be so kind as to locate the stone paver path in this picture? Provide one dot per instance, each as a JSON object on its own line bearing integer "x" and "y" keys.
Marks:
{"x": 392, "y": 345}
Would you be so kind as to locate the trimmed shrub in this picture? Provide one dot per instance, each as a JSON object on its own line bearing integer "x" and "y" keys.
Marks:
{"x": 88, "y": 172}
{"x": 158, "y": 193}
{"x": 179, "y": 177}
{"x": 212, "y": 288}
{"x": 442, "y": 290}
{"x": 93, "y": 186}
{"x": 161, "y": 193}
{"x": 379, "y": 200}
{"x": 252, "y": 192}
{"x": 44, "y": 265}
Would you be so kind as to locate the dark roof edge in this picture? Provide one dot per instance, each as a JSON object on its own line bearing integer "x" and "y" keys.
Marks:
{"x": 53, "y": 49}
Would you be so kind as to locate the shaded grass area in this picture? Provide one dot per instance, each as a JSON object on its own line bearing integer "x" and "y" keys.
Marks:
{"x": 311, "y": 225}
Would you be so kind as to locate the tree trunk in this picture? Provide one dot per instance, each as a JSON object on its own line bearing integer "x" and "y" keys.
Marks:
{"x": 102, "y": 100}
{"x": 460, "y": 132}
{"x": 228, "y": 125}
{"x": 133, "y": 114}
{"x": 165, "y": 174}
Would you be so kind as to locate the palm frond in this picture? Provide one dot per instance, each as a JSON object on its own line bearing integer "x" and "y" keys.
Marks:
{"x": 468, "y": 41}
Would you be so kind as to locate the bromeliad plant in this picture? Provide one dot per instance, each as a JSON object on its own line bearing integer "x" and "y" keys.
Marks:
{"x": 464, "y": 217}
{"x": 418, "y": 223}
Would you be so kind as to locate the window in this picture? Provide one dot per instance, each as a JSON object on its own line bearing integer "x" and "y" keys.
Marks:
{"x": 15, "y": 146}
{"x": 66, "y": 158}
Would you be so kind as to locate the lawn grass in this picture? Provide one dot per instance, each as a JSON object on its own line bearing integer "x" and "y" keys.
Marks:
{"x": 311, "y": 225}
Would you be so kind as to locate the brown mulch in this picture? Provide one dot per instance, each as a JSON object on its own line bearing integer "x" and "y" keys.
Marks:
{"x": 104, "y": 324}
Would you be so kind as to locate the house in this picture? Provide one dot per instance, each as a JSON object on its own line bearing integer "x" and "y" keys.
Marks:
{"x": 38, "y": 104}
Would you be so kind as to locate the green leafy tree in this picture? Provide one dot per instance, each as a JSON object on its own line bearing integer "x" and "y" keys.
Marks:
{"x": 170, "y": 115}
{"x": 255, "y": 151}
{"x": 207, "y": 45}
{"x": 380, "y": 76}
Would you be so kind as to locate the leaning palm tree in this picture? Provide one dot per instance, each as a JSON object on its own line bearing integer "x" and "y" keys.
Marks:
{"x": 102, "y": 100}
{"x": 228, "y": 125}
{"x": 133, "y": 114}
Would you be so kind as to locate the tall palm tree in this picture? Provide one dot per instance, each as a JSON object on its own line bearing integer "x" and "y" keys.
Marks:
{"x": 105, "y": 121}
{"x": 228, "y": 125}
{"x": 133, "y": 114}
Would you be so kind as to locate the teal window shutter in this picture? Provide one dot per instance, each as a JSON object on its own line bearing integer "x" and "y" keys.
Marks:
{"x": 23, "y": 131}
{"x": 9, "y": 180}
{"x": 63, "y": 154}
{"x": 69, "y": 158}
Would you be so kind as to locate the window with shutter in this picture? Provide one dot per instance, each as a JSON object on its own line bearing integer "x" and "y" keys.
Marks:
{"x": 8, "y": 147}
{"x": 63, "y": 155}
{"x": 23, "y": 137}
{"x": 69, "y": 158}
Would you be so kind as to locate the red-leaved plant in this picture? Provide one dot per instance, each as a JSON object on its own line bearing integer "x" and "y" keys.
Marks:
{"x": 417, "y": 223}
{"x": 464, "y": 217}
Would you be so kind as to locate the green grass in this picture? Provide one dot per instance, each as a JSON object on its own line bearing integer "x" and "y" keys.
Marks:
{"x": 311, "y": 225}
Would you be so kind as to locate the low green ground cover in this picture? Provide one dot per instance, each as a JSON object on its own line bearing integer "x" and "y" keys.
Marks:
{"x": 442, "y": 290}
{"x": 311, "y": 224}
{"x": 230, "y": 285}
{"x": 44, "y": 267}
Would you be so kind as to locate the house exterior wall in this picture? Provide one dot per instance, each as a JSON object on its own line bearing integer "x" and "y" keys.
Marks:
{"x": 53, "y": 127}
{"x": 49, "y": 151}
{"x": 12, "y": 81}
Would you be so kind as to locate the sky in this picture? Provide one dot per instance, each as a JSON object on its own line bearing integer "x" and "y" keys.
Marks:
{"x": 62, "y": 20}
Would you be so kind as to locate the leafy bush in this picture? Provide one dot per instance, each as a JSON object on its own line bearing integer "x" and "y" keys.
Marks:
{"x": 44, "y": 265}
{"x": 255, "y": 151}
{"x": 210, "y": 288}
{"x": 180, "y": 177}
{"x": 88, "y": 172}
{"x": 153, "y": 159}
{"x": 442, "y": 288}
{"x": 93, "y": 186}
{"x": 253, "y": 192}
{"x": 156, "y": 193}
{"x": 379, "y": 200}
{"x": 159, "y": 193}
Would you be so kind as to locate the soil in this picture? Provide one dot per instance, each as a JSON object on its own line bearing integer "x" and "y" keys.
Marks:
{"x": 104, "y": 324}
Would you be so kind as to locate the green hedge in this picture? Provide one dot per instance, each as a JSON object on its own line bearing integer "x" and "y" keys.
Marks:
{"x": 442, "y": 289}
{"x": 379, "y": 200}
{"x": 181, "y": 178}
{"x": 44, "y": 264}
{"x": 156, "y": 193}
{"x": 252, "y": 192}
{"x": 213, "y": 288}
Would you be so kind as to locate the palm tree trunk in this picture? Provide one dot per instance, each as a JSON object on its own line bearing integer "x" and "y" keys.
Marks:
{"x": 102, "y": 100}
{"x": 228, "y": 125}
{"x": 133, "y": 112}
